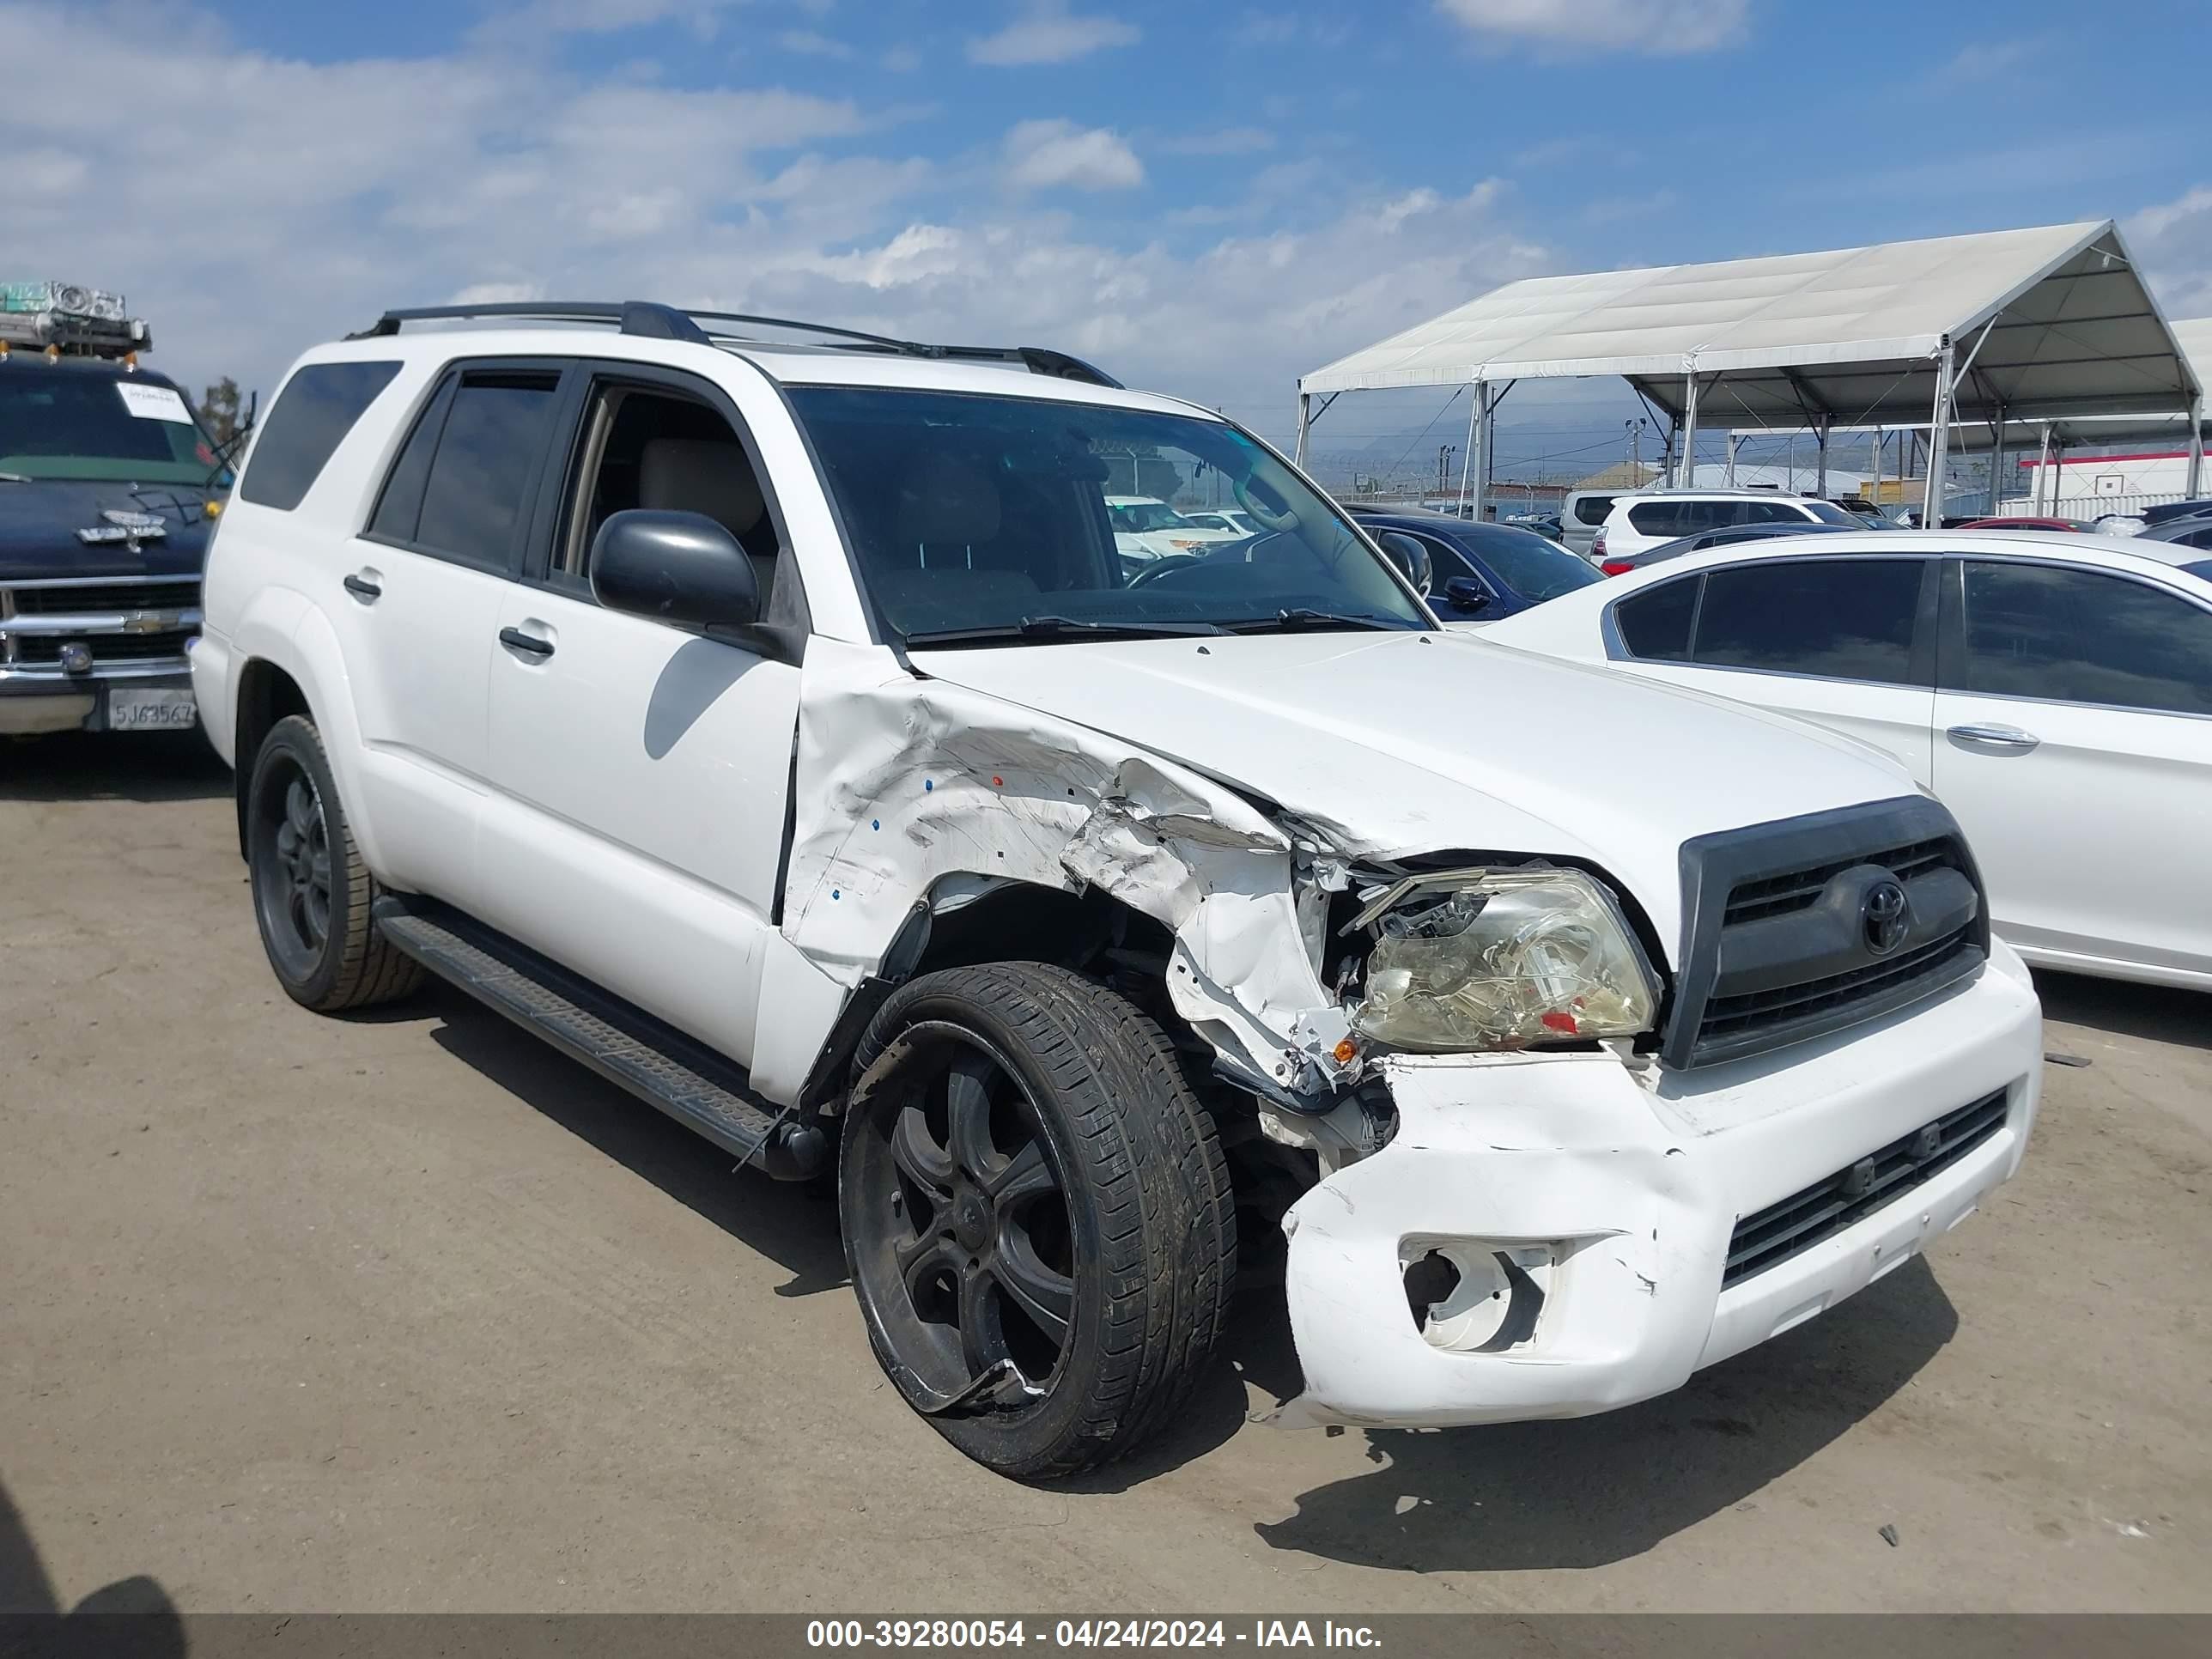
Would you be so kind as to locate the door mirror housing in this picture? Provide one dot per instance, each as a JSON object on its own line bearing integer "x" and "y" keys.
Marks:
{"x": 1410, "y": 556}
{"x": 674, "y": 567}
{"x": 1467, "y": 593}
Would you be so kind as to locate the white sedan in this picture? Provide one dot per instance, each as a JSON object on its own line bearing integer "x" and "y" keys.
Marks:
{"x": 2054, "y": 690}
{"x": 1146, "y": 528}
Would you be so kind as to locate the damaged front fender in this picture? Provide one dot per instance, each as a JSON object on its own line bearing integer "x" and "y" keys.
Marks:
{"x": 904, "y": 782}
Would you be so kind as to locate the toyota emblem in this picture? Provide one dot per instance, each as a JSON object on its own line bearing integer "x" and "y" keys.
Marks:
{"x": 1885, "y": 915}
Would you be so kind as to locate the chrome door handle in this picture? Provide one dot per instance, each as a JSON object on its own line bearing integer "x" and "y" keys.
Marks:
{"x": 2010, "y": 738}
{"x": 529, "y": 644}
{"x": 362, "y": 588}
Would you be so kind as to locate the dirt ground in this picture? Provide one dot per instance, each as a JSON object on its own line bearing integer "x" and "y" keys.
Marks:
{"x": 407, "y": 1312}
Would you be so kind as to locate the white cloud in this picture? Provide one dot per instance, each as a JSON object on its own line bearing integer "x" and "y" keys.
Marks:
{"x": 1222, "y": 140}
{"x": 903, "y": 60}
{"x": 532, "y": 20}
{"x": 1644, "y": 25}
{"x": 1282, "y": 28}
{"x": 1056, "y": 154}
{"x": 1047, "y": 32}
{"x": 811, "y": 44}
{"x": 380, "y": 182}
{"x": 2173, "y": 244}
{"x": 1990, "y": 60}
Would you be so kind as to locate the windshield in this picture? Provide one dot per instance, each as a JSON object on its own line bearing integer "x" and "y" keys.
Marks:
{"x": 1140, "y": 516}
{"x": 987, "y": 516}
{"x": 62, "y": 422}
{"x": 1829, "y": 513}
{"x": 1535, "y": 567}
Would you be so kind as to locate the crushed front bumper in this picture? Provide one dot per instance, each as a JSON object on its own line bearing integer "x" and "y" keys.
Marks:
{"x": 1607, "y": 1196}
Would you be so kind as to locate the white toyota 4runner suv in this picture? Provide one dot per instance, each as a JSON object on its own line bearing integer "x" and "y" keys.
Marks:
{"x": 774, "y": 728}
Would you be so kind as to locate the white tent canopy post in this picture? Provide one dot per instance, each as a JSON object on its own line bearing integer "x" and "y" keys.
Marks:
{"x": 1486, "y": 446}
{"x": 1474, "y": 421}
{"x": 1996, "y": 461}
{"x": 1939, "y": 433}
{"x": 1820, "y": 461}
{"x": 1734, "y": 440}
{"x": 1305, "y": 419}
{"x": 2035, "y": 496}
{"x": 1688, "y": 474}
{"x": 2196, "y": 445}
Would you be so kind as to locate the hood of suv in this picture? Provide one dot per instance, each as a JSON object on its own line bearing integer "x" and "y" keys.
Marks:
{"x": 39, "y": 522}
{"x": 1400, "y": 743}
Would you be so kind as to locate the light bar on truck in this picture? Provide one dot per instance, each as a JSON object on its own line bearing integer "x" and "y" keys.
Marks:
{"x": 56, "y": 317}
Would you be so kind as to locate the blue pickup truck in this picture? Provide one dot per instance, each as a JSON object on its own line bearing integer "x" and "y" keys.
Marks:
{"x": 109, "y": 486}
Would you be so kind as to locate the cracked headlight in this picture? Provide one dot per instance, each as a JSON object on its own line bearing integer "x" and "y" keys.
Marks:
{"x": 1474, "y": 959}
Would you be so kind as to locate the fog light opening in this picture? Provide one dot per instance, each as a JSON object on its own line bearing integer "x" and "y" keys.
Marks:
{"x": 1471, "y": 1299}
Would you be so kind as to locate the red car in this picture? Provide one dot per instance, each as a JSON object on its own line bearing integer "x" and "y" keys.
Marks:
{"x": 2025, "y": 524}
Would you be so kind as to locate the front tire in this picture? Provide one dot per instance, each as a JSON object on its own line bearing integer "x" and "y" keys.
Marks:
{"x": 1026, "y": 1176}
{"x": 312, "y": 893}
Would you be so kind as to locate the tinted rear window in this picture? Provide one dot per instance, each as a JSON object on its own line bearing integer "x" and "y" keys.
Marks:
{"x": 1840, "y": 618}
{"x": 1593, "y": 509}
{"x": 487, "y": 456}
{"x": 313, "y": 413}
{"x": 1656, "y": 625}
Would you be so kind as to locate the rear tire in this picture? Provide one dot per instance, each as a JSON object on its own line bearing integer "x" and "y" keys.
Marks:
{"x": 1106, "y": 1277}
{"x": 312, "y": 893}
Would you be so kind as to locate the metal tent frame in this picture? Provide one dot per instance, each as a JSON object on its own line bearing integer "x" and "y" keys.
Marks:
{"x": 2045, "y": 324}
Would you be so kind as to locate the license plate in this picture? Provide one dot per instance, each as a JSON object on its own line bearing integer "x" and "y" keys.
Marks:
{"x": 151, "y": 711}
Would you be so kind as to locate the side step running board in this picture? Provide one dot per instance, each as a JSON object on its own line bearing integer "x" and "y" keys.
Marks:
{"x": 658, "y": 1064}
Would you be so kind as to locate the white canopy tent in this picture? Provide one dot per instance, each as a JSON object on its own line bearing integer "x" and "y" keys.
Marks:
{"x": 2016, "y": 325}
{"x": 2052, "y": 438}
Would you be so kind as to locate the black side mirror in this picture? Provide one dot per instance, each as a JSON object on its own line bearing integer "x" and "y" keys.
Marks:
{"x": 1410, "y": 557}
{"x": 1467, "y": 593}
{"x": 673, "y": 567}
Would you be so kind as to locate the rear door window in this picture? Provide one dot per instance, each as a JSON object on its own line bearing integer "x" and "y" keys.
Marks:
{"x": 485, "y": 470}
{"x": 1654, "y": 625}
{"x": 1850, "y": 619}
{"x": 313, "y": 413}
{"x": 1593, "y": 509}
{"x": 2034, "y": 630}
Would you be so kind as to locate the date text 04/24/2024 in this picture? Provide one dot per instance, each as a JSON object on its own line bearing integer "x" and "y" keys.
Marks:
{"x": 1086, "y": 1633}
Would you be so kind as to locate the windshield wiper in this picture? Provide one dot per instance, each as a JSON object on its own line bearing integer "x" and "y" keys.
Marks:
{"x": 1057, "y": 628}
{"x": 1302, "y": 616}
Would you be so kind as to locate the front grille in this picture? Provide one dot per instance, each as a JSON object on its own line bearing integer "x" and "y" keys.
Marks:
{"x": 1799, "y": 890}
{"x": 1823, "y": 1209}
{"x": 1728, "y": 1018}
{"x": 71, "y": 597}
{"x": 33, "y": 650}
{"x": 96, "y": 597}
{"x": 1780, "y": 940}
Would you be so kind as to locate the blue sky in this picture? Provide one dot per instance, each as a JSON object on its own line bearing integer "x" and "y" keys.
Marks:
{"x": 1207, "y": 199}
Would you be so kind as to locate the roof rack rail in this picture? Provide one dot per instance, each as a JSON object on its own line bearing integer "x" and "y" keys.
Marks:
{"x": 649, "y": 320}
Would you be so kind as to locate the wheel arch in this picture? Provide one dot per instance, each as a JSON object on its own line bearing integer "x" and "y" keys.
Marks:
{"x": 289, "y": 663}
{"x": 968, "y": 919}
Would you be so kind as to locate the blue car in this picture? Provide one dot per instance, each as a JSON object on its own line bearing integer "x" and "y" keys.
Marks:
{"x": 109, "y": 486}
{"x": 1476, "y": 571}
